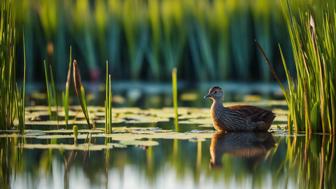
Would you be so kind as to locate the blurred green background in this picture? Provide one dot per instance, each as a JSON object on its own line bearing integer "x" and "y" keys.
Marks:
{"x": 207, "y": 40}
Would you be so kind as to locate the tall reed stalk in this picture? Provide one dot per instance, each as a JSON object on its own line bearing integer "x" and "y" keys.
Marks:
{"x": 108, "y": 101}
{"x": 174, "y": 91}
{"x": 21, "y": 94}
{"x": 66, "y": 94}
{"x": 80, "y": 92}
{"x": 311, "y": 90}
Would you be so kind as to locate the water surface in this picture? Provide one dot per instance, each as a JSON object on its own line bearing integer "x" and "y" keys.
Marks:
{"x": 146, "y": 150}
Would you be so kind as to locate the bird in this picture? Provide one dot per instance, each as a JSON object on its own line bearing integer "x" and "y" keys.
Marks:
{"x": 250, "y": 146}
{"x": 239, "y": 118}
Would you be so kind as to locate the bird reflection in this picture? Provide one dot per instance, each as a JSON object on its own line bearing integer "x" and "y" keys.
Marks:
{"x": 248, "y": 145}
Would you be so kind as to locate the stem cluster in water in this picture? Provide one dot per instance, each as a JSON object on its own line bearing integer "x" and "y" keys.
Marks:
{"x": 51, "y": 90}
{"x": 8, "y": 105}
{"x": 311, "y": 92}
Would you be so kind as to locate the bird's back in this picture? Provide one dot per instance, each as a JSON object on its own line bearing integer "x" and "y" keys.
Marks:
{"x": 242, "y": 118}
{"x": 253, "y": 112}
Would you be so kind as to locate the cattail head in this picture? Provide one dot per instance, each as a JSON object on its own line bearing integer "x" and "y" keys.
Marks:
{"x": 76, "y": 78}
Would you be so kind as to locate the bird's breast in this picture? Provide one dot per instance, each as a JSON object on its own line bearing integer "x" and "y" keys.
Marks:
{"x": 215, "y": 112}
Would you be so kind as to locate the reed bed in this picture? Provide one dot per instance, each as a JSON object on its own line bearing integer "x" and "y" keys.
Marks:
{"x": 146, "y": 39}
{"x": 311, "y": 90}
{"x": 8, "y": 86}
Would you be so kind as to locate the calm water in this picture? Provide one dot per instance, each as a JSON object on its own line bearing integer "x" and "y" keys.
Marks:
{"x": 145, "y": 150}
{"x": 246, "y": 160}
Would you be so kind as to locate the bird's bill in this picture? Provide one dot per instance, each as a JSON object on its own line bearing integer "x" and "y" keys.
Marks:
{"x": 206, "y": 96}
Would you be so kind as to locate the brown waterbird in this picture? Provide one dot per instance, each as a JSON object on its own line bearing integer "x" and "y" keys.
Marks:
{"x": 237, "y": 118}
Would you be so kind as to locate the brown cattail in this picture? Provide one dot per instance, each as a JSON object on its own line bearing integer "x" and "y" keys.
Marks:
{"x": 76, "y": 78}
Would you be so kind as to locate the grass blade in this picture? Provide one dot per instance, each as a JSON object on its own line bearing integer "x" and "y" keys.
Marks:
{"x": 80, "y": 92}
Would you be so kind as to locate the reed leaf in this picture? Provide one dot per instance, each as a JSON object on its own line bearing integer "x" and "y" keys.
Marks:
{"x": 67, "y": 86}
{"x": 49, "y": 96}
{"x": 80, "y": 92}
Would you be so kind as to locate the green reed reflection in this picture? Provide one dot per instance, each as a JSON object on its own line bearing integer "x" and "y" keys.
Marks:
{"x": 261, "y": 158}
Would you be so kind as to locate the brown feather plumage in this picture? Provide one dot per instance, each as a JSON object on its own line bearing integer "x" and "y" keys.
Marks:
{"x": 238, "y": 118}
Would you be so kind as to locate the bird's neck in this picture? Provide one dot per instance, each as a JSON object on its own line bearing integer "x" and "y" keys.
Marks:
{"x": 216, "y": 105}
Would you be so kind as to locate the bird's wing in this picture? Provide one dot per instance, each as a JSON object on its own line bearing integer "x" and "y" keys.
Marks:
{"x": 251, "y": 112}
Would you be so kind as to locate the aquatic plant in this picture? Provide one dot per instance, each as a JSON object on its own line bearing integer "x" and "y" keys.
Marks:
{"x": 311, "y": 91}
{"x": 8, "y": 108}
{"x": 80, "y": 92}
{"x": 108, "y": 101}
{"x": 207, "y": 40}
{"x": 51, "y": 90}
{"x": 21, "y": 94}
{"x": 174, "y": 92}
{"x": 65, "y": 95}
{"x": 75, "y": 133}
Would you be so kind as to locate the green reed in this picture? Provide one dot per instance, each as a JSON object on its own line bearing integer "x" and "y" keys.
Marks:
{"x": 21, "y": 94}
{"x": 8, "y": 107}
{"x": 75, "y": 133}
{"x": 175, "y": 96}
{"x": 311, "y": 91}
{"x": 51, "y": 90}
{"x": 108, "y": 101}
{"x": 215, "y": 36}
{"x": 80, "y": 92}
{"x": 65, "y": 95}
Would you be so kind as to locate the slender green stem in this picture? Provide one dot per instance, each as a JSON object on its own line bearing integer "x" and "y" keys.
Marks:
{"x": 174, "y": 91}
{"x": 110, "y": 105}
{"x": 22, "y": 118}
{"x": 53, "y": 91}
{"x": 75, "y": 133}
{"x": 48, "y": 88}
{"x": 108, "y": 101}
{"x": 67, "y": 86}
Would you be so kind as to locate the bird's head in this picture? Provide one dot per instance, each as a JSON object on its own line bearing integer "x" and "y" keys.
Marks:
{"x": 215, "y": 93}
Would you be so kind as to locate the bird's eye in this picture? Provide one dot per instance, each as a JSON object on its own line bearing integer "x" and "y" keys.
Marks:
{"x": 215, "y": 92}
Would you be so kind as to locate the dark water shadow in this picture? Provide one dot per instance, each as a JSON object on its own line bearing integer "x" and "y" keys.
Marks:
{"x": 252, "y": 146}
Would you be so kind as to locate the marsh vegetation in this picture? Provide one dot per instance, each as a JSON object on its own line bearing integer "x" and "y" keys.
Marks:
{"x": 144, "y": 123}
